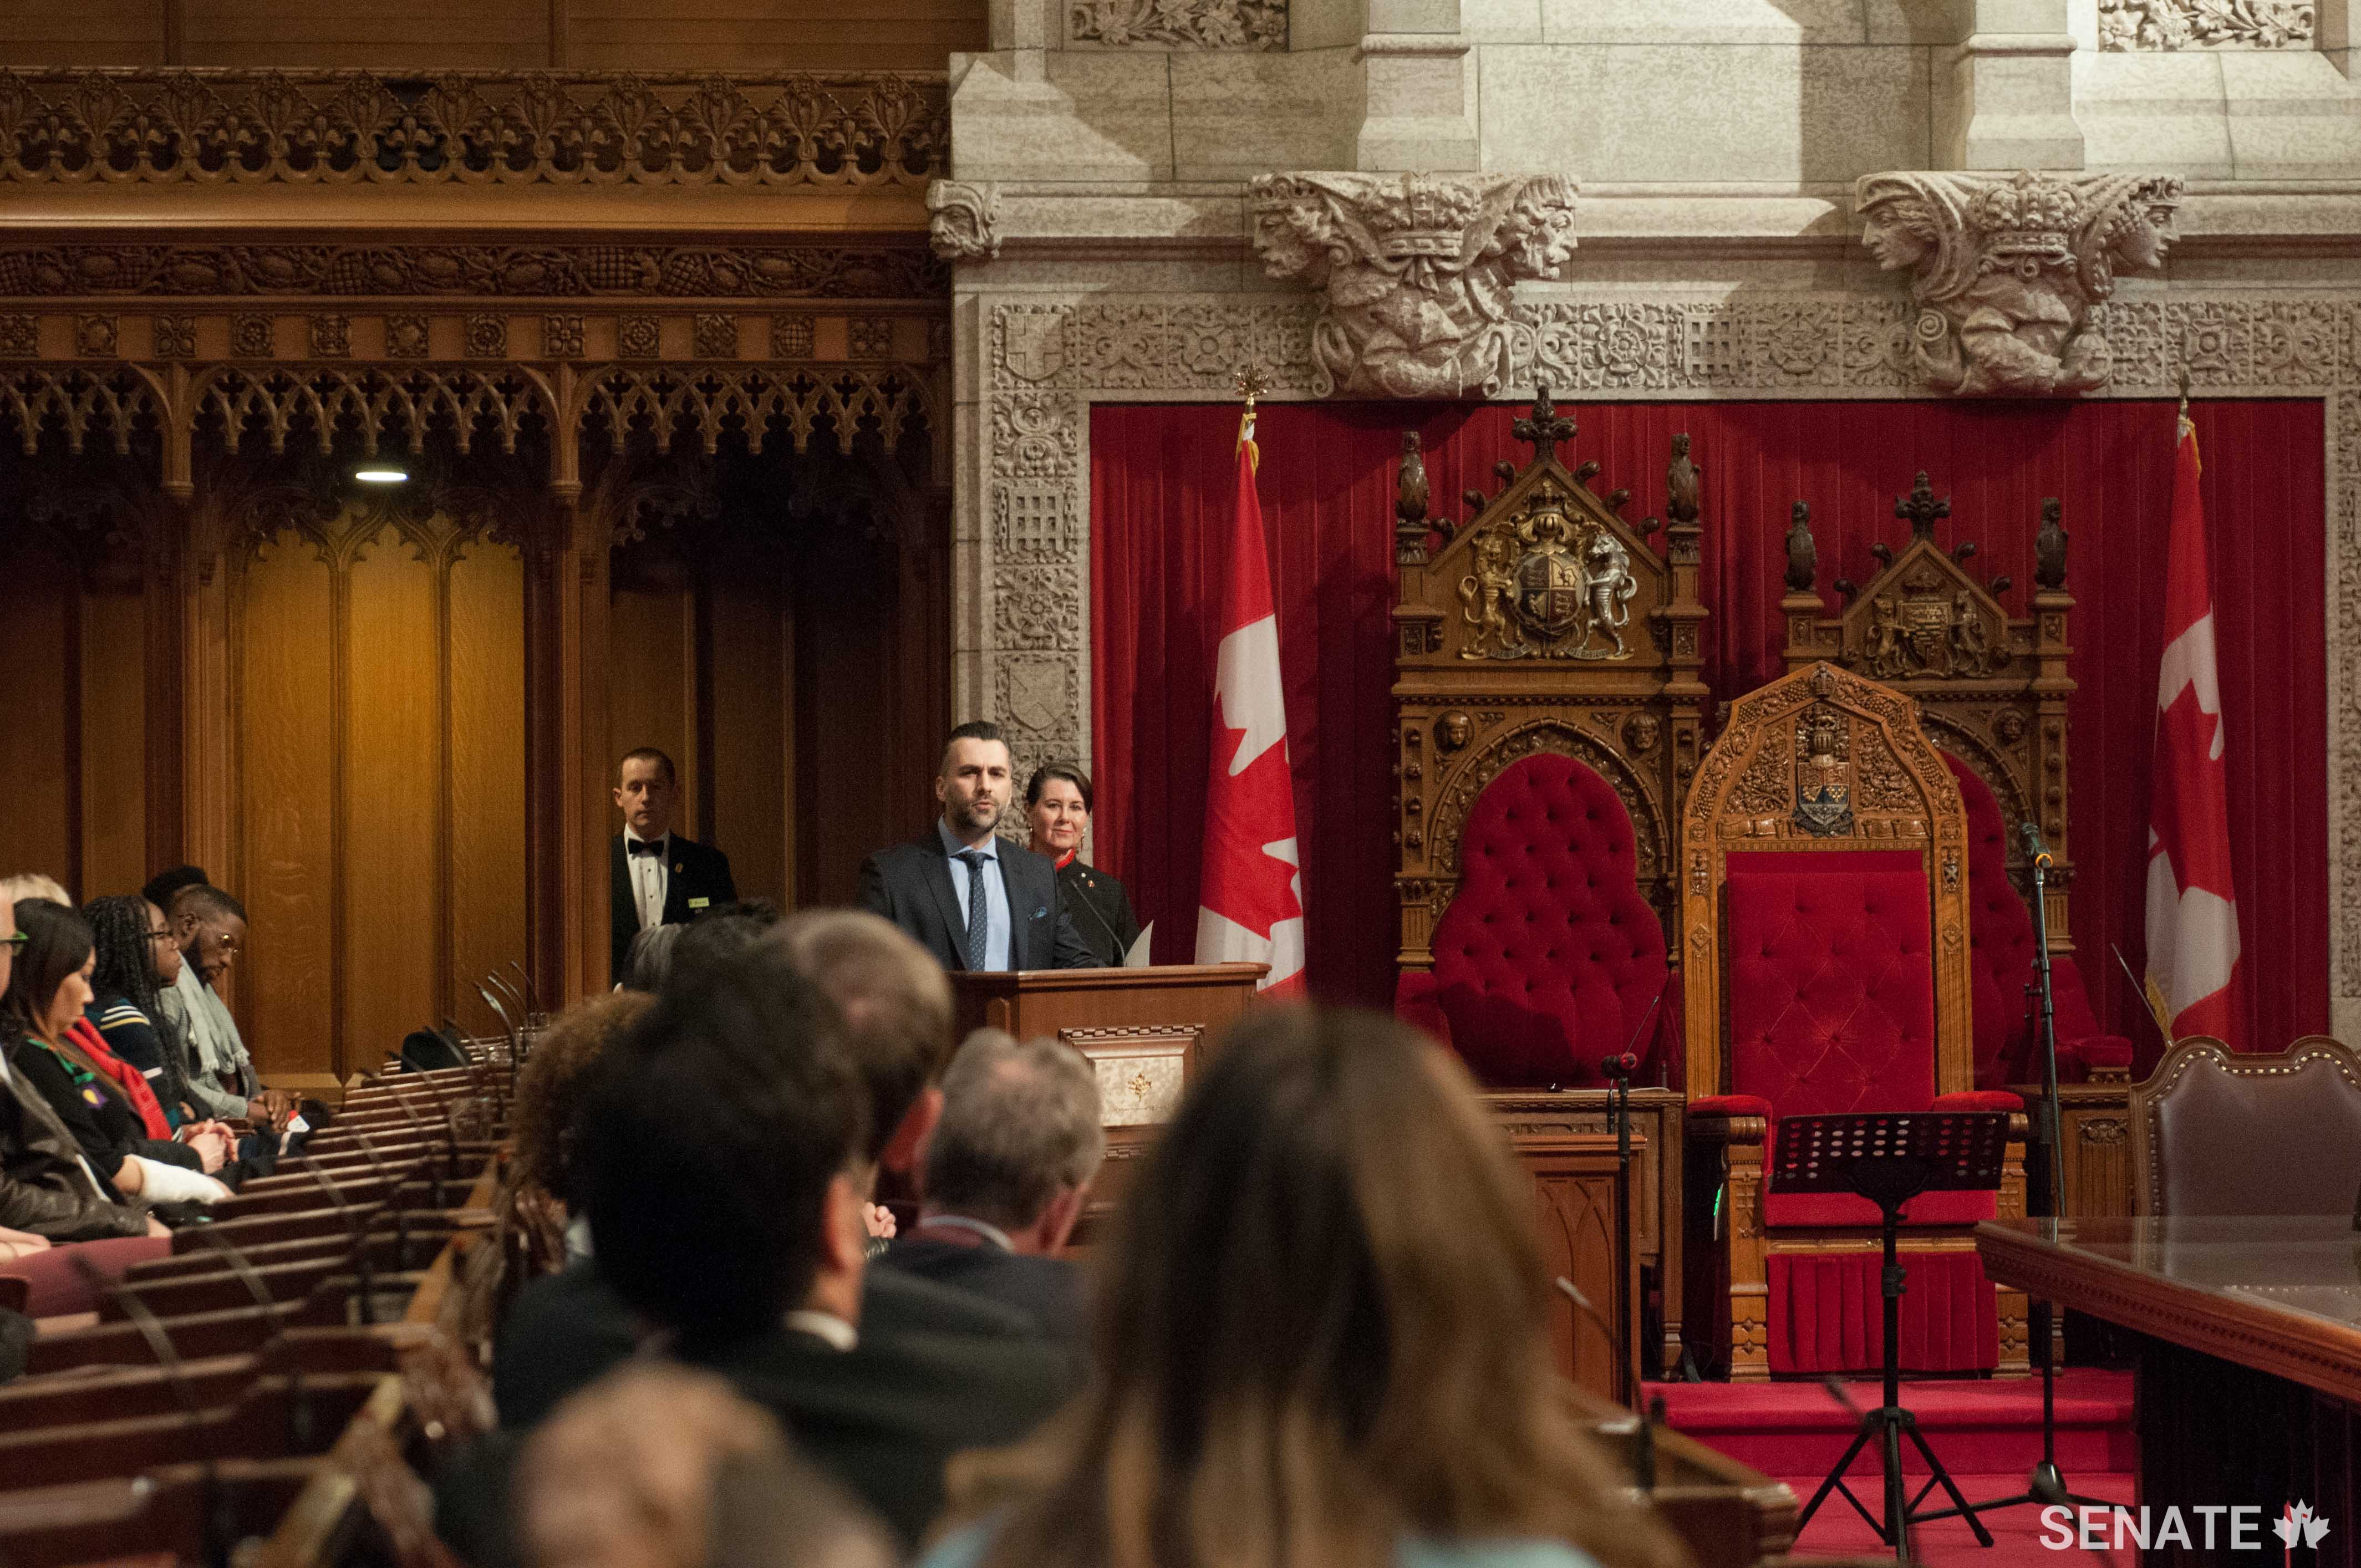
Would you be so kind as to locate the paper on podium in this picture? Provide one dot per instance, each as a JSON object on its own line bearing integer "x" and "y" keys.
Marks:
{"x": 1137, "y": 957}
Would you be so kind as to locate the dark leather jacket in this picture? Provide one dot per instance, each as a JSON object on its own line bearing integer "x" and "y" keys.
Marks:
{"x": 44, "y": 1185}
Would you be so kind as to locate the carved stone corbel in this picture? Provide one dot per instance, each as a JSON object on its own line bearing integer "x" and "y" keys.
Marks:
{"x": 966, "y": 222}
{"x": 1417, "y": 272}
{"x": 2005, "y": 269}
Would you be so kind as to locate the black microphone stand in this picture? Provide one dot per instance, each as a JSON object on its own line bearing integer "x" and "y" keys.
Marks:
{"x": 2046, "y": 1483}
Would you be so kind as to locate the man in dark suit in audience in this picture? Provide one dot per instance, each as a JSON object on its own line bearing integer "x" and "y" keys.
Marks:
{"x": 565, "y": 1329}
{"x": 974, "y": 900}
{"x": 1005, "y": 1178}
{"x": 657, "y": 877}
{"x": 727, "y": 1160}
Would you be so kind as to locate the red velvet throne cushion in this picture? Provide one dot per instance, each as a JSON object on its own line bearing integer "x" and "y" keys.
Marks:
{"x": 2000, "y": 935}
{"x": 1548, "y": 957}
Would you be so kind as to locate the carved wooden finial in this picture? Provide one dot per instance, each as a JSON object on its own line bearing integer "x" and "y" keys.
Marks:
{"x": 1545, "y": 427}
{"x": 1921, "y": 509}
{"x": 2050, "y": 548}
{"x": 1802, "y": 552}
{"x": 1681, "y": 477}
{"x": 1410, "y": 504}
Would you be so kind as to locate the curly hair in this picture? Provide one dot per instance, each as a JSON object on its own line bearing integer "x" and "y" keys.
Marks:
{"x": 551, "y": 1088}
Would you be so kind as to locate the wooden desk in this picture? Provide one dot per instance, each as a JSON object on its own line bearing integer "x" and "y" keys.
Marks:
{"x": 2248, "y": 1336}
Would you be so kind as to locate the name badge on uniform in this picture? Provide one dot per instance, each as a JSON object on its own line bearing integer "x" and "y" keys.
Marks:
{"x": 698, "y": 902}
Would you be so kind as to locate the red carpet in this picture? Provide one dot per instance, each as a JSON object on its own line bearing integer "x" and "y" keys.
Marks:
{"x": 1987, "y": 1432}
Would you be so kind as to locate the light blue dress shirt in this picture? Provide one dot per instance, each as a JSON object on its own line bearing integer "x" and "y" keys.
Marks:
{"x": 995, "y": 895}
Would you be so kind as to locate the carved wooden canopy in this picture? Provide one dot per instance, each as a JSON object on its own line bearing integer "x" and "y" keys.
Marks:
{"x": 1991, "y": 686}
{"x": 1547, "y": 623}
{"x": 1821, "y": 760}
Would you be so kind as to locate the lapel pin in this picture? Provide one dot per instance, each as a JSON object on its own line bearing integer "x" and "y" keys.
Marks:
{"x": 677, "y": 867}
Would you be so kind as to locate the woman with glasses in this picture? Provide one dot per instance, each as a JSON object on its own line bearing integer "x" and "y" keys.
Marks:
{"x": 42, "y": 1010}
{"x": 137, "y": 955}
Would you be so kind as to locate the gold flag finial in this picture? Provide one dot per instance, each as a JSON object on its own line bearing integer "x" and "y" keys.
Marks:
{"x": 1252, "y": 384}
{"x": 2183, "y": 416}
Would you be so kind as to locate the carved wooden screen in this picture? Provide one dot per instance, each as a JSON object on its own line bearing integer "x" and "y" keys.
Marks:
{"x": 1547, "y": 623}
{"x": 1822, "y": 760}
{"x": 1991, "y": 686}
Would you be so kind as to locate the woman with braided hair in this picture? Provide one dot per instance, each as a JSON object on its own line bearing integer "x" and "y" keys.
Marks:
{"x": 133, "y": 953}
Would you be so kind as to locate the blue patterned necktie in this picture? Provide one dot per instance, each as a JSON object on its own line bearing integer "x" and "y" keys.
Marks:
{"x": 978, "y": 920}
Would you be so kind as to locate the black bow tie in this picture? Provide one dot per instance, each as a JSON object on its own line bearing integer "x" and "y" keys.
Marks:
{"x": 644, "y": 846}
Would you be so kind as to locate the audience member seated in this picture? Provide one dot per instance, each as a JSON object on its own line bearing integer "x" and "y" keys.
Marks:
{"x": 33, "y": 884}
{"x": 41, "y": 1009}
{"x": 659, "y": 1467}
{"x": 1005, "y": 1177}
{"x": 715, "y": 937}
{"x": 46, "y": 1185}
{"x": 565, "y": 1329}
{"x": 211, "y": 928}
{"x": 136, "y": 954}
{"x": 537, "y": 1228}
{"x": 1321, "y": 1340}
{"x": 727, "y": 1163}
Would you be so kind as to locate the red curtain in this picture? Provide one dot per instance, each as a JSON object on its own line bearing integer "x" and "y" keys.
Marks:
{"x": 1161, "y": 479}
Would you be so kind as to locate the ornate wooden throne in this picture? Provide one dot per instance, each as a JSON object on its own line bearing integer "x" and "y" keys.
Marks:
{"x": 1548, "y": 714}
{"x": 1992, "y": 690}
{"x": 1825, "y": 911}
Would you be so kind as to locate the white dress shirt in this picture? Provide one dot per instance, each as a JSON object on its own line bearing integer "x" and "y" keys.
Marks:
{"x": 651, "y": 877}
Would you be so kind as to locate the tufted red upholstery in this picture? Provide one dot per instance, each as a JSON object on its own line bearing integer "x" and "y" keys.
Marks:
{"x": 2000, "y": 936}
{"x": 1831, "y": 981}
{"x": 1548, "y": 957}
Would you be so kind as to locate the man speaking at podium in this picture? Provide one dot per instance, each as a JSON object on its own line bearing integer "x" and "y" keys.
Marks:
{"x": 976, "y": 901}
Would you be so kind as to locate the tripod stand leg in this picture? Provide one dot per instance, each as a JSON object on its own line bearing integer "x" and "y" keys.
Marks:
{"x": 1897, "y": 1501}
{"x": 1836, "y": 1481}
{"x": 1950, "y": 1489}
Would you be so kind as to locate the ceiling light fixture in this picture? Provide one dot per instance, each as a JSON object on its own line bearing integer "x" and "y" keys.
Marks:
{"x": 382, "y": 475}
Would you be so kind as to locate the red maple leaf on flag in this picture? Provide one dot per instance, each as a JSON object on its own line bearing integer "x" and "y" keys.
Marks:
{"x": 1244, "y": 879}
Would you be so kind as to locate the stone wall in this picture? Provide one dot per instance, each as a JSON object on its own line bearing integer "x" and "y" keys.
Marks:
{"x": 1118, "y": 236}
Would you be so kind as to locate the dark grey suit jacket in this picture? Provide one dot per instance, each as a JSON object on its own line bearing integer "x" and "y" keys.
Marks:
{"x": 910, "y": 885}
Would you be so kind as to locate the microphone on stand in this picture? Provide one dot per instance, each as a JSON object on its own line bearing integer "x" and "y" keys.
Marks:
{"x": 1621, "y": 1065}
{"x": 1649, "y": 1412}
{"x": 2034, "y": 845}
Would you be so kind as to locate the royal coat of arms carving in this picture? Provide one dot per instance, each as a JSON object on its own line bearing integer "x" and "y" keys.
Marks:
{"x": 1547, "y": 583}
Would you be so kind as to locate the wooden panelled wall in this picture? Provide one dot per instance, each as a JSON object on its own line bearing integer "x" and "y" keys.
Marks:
{"x": 777, "y": 623}
{"x": 443, "y": 35}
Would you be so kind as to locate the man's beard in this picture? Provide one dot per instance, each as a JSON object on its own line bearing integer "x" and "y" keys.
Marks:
{"x": 980, "y": 811}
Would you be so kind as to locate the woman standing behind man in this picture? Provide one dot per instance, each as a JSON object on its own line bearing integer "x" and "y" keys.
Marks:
{"x": 1057, "y": 802}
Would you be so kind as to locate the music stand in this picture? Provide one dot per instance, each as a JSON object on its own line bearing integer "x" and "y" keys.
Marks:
{"x": 1889, "y": 1157}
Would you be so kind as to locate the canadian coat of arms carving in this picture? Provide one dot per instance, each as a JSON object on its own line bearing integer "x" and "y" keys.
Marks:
{"x": 1823, "y": 774}
{"x": 1547, "y": 583}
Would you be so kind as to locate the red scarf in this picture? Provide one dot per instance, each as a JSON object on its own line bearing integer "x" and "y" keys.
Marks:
{"x": 1065, "y": 859}
{"x": 128, "y": 1078}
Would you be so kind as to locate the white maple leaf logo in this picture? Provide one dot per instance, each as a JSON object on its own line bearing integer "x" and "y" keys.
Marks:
{"x": 2299, "y": 1522}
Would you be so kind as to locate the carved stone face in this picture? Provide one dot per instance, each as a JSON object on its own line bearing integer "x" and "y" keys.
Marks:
{"x": 2146, "y": 233}
{"x": 1894, "y": 233}
{"x": 1640, "y": 732}
{"x": 1454, "y": 730}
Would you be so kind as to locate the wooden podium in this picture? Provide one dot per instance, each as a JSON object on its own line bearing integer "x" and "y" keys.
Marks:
{"x": 1145, "y": 1031}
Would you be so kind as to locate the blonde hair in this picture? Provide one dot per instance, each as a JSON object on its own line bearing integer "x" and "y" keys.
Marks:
{"x": 33, "y": 884}
{"x": 1323, "y": 1326}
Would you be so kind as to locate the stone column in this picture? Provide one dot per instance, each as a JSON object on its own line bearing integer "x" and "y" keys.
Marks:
{"x": 2005, "y": 93}
{"x": 1419, "y": 87}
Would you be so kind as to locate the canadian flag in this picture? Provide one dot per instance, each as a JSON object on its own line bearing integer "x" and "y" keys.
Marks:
{"x": 2192, "y": 910}
{"x": 1250, "y": 905}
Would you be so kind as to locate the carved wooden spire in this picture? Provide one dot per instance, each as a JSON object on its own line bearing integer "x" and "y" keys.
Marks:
{"x": 1921, "y": 509}
{"x": 1545, "y": 427}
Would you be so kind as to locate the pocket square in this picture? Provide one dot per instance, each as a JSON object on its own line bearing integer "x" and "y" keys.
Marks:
{"x": 1042, "y": 913}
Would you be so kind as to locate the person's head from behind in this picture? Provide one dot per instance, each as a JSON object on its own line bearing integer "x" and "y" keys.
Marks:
{"x": 1019, "y": 1140}
{"x": 896, "y": 1004}
{"x": 166, "y": 885}
{"x": 211, "y": 928}
{"x": 647, "y": 787}
{"x": 660, "y": 1466}
{"x": 975, "y": 780}
{"x": 710, "y": 941}
{"x": 720, "y": 1155}
{"x": 50, "y": 983}
{"x": 134, "y": 946}
{"x": 1322, "y": 1328}
{"x": 34, "y": 884}
{"x": 554, "y": 1083}
{"x": 648, "y": 964}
